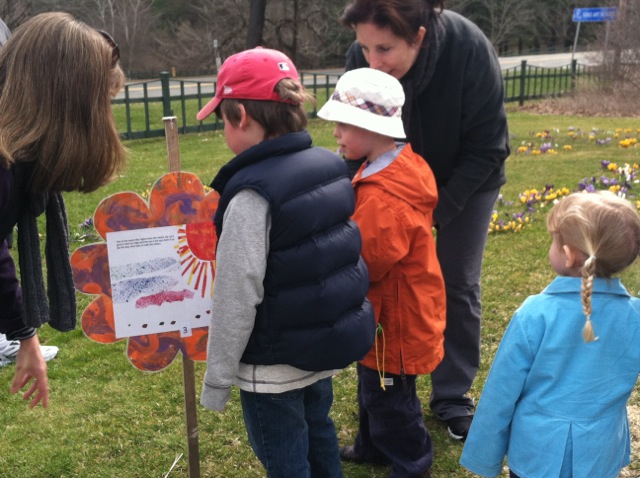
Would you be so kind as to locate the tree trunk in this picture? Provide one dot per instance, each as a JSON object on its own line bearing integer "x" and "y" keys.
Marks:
{"x": 621, "y": 38}
{"x": 256, "y": 23}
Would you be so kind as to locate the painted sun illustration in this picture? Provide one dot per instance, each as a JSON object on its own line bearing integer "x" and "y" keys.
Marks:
{"x": 176, "y": 199}
{"x": 196, "y": 247}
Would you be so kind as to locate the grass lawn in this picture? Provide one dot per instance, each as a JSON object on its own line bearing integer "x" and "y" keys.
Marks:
{"x": 107, "y": 419}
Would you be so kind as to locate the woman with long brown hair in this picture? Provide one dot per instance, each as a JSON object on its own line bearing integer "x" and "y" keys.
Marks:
{"x": 57, "y": 133}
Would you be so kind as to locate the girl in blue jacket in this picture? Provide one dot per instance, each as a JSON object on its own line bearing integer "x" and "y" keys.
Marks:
{"x": 555, "y": 399}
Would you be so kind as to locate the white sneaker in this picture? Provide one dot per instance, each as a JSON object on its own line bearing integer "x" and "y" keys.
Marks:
{"x": 49, "y": 351}
{"x": 4, "y": 362}
{"x": 10, "y": 349}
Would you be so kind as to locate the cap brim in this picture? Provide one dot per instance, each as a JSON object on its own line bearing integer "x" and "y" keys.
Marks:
{"x": 208, "y": 108}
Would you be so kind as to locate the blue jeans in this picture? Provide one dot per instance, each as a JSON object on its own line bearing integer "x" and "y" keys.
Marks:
{"x": 291, "y": 433}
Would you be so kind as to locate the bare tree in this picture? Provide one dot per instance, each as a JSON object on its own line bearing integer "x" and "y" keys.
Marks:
{"x": 255, "y": 29}
{"x": 461, "y": 6}
{"x": 135, "y": 19}
{"x": 106, "y": 13}
{"x": 285, "y": 22}
{"x": 181, "y": 34}
{"x": 554, "y": 26}
{"x": 308, "y": 31}
{"x": 502, "y": 19}
{"x": 129, "y": 21}
{"x": 620, "y": 43}
{"x": 13, "y": 12}
{"x": 188, "y": 43}
{"x": 185, "y": 47}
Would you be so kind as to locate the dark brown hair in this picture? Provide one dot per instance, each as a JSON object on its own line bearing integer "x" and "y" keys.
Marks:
{"x": 403, "y": 17}
{"x": 56, "y": 84}
{"x": 275, "y": 117}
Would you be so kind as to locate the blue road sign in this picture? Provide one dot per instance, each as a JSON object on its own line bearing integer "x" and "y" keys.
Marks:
{"x": 602, "y": 14}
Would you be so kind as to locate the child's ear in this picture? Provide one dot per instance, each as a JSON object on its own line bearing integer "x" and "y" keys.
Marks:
{"x": 244, "y": 117}
{"x": 572, "y": 256}
{"x": 422, "y": 31}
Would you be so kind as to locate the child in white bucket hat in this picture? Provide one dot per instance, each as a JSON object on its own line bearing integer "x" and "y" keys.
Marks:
{"x": 396, "y": 194}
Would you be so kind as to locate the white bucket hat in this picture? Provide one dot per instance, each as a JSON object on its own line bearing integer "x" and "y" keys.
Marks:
{"x": 369, "y": 99}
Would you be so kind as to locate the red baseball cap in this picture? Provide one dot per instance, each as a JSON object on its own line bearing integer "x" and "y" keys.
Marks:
{"x": 251, "y": 75}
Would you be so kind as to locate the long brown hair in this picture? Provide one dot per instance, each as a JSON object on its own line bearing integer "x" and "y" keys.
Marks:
{"x": 57, "y": 77}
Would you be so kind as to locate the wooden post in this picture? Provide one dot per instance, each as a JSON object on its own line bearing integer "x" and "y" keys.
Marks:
{"x": 523, "y": 81}
{"x": 191, "y": 416}
{"x": 173, "y": 145}
{"x": 188, "y": 373}
{"x": 621, "y": 39}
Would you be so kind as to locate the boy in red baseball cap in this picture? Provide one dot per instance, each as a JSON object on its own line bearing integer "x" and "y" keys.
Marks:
{"x": 289, "y": 309}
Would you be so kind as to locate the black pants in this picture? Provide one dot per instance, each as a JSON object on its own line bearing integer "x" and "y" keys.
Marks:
{"x": 391, "y": 424}
{"x": 512, "y": 474}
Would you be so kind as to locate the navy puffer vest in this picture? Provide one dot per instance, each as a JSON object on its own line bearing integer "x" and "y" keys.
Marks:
{"x": 315, "y": 315}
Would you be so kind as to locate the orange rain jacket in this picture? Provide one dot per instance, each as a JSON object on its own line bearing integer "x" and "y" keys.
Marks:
{"x": 394, "y": 211}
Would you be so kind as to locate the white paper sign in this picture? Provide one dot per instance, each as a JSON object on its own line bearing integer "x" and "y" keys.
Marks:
{"x": 155, "y": 288}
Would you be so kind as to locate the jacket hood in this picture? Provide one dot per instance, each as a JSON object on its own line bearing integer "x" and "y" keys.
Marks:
{"x": 402, "y": 180}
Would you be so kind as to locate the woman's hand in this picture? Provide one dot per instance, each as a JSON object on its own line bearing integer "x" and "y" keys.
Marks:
{"x": 30, "y": 364}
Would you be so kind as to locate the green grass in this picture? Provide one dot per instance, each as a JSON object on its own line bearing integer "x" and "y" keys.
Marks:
{"x": 109, "y": 420}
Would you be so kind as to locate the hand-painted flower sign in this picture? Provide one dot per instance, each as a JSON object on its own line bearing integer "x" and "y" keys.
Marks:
{"x": 177, "y": 199}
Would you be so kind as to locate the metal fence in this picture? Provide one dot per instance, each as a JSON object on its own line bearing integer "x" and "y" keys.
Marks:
{"x": 526, "y": 82}
{"x": 140, "y": 110}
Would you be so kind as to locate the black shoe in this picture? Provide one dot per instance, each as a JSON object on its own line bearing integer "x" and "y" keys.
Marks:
{"x": 348, "y": 453}
{"x": 458, "y": 427}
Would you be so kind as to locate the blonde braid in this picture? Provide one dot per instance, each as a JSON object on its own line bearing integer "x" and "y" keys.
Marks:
{"x": 588, "y": 273}
{"x": 596, "y": 224}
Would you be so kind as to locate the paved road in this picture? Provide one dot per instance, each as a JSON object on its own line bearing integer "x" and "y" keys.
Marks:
{"x": 549, "y": 60}
{"x": 190, "y": 85}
